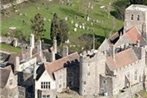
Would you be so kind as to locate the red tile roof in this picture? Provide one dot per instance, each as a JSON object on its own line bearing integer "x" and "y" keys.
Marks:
{"x": 122, "y": 59}
{"x": 59, "y": 64}
{"x": 133, "y": 35}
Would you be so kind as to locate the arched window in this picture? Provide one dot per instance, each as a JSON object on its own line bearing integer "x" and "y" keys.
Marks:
{"x": 132, "y": 17}
{"x": 138, "y": 17}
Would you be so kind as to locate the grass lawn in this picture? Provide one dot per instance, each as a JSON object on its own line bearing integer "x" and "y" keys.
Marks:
{"x": 9, "y": 48}
{"x": 143, "y": 94}
{"x": 46, "y": 9}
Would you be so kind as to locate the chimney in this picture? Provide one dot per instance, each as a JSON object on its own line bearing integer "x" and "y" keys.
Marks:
{"x": 65, "y": 51}
{"x": 17, "y": 62}
{"x": 113, "y": 52}
{"x": 40, "y": 48}
{"x": 31, "y": 50}
{"x": 143, "y": 53}
{"x": 53, "y": 55}
{"x": 138, "y": 43}
{"x": 55, "y": 44}
{"x": 32, "y": 41}
{"x": 15, "y": 42}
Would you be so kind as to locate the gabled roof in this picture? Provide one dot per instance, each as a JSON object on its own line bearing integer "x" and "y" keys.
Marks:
{"x": 105, "y": 45}
{"x": 134, "y": 35}
{"x": 4, "y": 75}
{"x": 122, "y": 59}
{"x": 131, "y": 36}
{"x": 60, "y": 63}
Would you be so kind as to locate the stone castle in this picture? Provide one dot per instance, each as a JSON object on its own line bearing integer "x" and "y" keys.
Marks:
{"x": 120, "y": 63}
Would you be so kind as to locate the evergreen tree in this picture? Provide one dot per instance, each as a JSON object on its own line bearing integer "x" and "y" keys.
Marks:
{"x": 59, "y": 29}
{"x": 37, "y": 26}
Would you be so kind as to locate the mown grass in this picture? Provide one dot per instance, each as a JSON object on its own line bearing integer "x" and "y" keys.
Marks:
{"x": 46, "y": 9}
{"x": 9, "y": 48}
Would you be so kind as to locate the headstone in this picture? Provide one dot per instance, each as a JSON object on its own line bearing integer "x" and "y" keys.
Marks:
{"x": 88, "y": 18}
{"x": 16, "y": 11}
{"x": 80, "y": 26}
{"x": 20, "y": 14}
{"x": 92, "y": 23}
{"x": 66, "y": 18}
{"x": 44, "y": 19}
{"x": 76, "y": 25}
{"x": 83, "y": 27}
{"x": 67, "y": 41}
{"x": 49, "y": 20}
{"x": 15, "y": 42}
{"x": 72, "y": 21}
{"x": 75, "y": 29}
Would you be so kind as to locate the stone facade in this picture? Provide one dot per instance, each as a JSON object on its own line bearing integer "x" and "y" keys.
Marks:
{"x": 117, "y": 67}
{"x": 136, "y": 15}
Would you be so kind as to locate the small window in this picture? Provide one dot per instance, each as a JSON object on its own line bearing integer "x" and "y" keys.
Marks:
{"x": 45, "y": 85}
{"x": 84, "y": 82}
{"x": 11, "y": 82}
{"x": 135, "y": 75}
{"x": 132, "y": 17}
{"x": 138, "y": 17}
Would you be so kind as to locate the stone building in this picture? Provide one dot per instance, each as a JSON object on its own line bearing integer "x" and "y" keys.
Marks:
{"x": 56, "y": 76}
{"x": 136, "y": 15}
{"x": 8, "y": 84}
{"x": 120, "y": 62}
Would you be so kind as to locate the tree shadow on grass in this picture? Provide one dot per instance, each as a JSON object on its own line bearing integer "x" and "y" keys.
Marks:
{"x": 47, "y": 41}
{"x": 116, "y": 15}
{"x": 72, "y": 12}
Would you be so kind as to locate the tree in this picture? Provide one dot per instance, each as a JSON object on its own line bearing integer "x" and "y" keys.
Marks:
{"x": 120, "y": 7}
{"x": 37, "y": 26}
{"x": 54, "y": 26}
{"x": 59, "y": 30}
{"x": 63, "y": 30}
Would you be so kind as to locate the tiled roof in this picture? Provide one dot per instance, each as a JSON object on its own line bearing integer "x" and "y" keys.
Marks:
{"x": 60, "y": 63}
{"x": 133, "y": 35}
{"x": 4, "y": 75}
{"x": 122, "y": 59}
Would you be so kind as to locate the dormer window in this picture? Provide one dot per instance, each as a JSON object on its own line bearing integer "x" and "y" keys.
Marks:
{"x": 132, "y": 17}
{"x": 138, "y": 17}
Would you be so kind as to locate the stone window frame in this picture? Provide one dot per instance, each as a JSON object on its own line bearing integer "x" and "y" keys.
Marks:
{"x": 45, "y": 96}
{"x": 11, "y": 82}
{"x": 138, "y": 17}
{"x": 132, "y": 17}
{"x": 135, "y": 75}
{"x": 45, "y": 85}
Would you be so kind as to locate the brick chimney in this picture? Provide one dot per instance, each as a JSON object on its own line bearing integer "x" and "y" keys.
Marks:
{"x": 53, "y": 55}
{"x": 65, "y": 51}
{"x": 32, "y": 41}
{"x": 55, "y": 45}
{"x": 17, "y": 62}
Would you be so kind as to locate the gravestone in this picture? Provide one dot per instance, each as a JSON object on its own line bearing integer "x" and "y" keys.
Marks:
{"x": 76, "y": 25}
{"x": 66, "y": 18}
{"x": 75, "y": 29}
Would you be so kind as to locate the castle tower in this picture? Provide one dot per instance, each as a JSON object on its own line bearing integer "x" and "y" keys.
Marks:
{"x": 136, "y": 15}
{"x": 91, "y": 65}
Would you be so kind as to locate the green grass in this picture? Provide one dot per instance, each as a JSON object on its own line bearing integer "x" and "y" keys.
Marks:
{"x": 9, "y": 48}
{"x": 143, "y": 94}
{"x": 48, "y": 8}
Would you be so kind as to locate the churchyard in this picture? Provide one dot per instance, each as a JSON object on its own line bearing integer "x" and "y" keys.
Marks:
{"x": 100, "y": 22}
